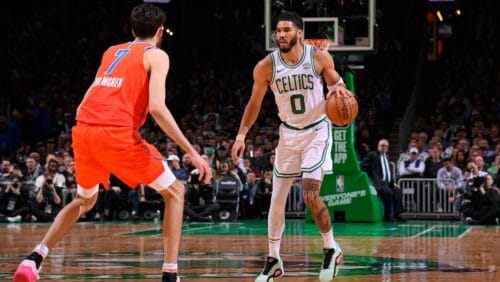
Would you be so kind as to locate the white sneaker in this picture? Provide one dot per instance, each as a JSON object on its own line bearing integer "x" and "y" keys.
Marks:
{"x": 16, "y": 218}
{"x": 331, "y": 263}
{"x": 272, "y": 270}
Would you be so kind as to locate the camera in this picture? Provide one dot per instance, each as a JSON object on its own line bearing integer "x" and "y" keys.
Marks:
{"x": 471, "y": 193}
{"x": 472, "y": 186}
{"x": 16, "y": 184}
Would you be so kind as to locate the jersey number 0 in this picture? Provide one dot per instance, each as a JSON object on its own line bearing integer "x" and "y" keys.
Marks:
{"x": 297, "y": 103}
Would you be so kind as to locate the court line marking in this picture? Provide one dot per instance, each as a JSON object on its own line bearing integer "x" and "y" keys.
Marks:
{"x": 469, "y": 229}
{"x": 203, "y": 227}
{"x": 423, "y": 232}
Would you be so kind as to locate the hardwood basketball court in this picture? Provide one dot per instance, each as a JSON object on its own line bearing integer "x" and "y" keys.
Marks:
{"x": 221, "y": 251}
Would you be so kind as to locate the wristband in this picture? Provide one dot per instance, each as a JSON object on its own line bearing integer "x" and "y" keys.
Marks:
{"x": 332, "y": 87}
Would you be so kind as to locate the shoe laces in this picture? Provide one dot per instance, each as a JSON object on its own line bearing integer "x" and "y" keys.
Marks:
{"x": 328, "y": 257}
{"x": 270, "y": 262}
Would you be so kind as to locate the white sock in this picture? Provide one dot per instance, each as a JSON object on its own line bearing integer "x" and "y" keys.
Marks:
{"x": 274, "y": 248}
{"x": 169, "y": 267}
{"x": 328, "y": 241}
{"x": 42, "y": 250}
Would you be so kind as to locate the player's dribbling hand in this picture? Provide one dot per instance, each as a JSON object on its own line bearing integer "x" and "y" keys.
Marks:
{"x": 339, "y": 90}
{"x": 238, "y": 149}
{"x": 205, "y": 172}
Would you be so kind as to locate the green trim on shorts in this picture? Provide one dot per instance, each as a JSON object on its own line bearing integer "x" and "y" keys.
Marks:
{"x": 323, "y": 156}
{"x": 285, "y": 175}
{"x": 303, "y": 128}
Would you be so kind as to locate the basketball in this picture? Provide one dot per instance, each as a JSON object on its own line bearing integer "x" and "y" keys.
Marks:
{"x": 341, "y": 110}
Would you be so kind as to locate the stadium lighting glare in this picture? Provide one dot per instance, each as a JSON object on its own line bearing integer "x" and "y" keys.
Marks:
{"x": 458, "y": 12}
{"x": 438, "y": 14}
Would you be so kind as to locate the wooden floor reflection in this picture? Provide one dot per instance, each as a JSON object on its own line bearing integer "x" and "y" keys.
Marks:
{"x": 235, "y": 251}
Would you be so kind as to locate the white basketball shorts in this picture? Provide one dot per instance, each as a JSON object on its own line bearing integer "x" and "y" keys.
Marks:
{"x": 304, "y": 150}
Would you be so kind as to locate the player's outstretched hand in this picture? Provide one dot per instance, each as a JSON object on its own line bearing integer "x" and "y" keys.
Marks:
{"x": 238, "y": 149}
{"x": 203, "y": 168}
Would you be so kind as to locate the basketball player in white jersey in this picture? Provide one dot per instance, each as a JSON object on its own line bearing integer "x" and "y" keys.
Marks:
{"x": 295, "y": 74}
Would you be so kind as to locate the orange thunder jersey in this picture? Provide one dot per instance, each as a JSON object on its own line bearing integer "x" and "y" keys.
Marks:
{"x": 119, "y": 95}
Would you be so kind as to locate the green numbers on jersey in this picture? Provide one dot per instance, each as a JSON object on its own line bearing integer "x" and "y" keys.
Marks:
{"x": 298, "y": 104}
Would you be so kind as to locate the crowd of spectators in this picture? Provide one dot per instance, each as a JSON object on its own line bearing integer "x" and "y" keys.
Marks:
{"x": 456, "y": 133}
{"x": 45, "y": 84}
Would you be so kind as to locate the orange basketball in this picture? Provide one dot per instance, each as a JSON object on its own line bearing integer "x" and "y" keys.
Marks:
{"x": 341, "y": 110}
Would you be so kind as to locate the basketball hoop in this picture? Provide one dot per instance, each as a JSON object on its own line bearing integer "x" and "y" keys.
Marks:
{"x": 320, "y": 43}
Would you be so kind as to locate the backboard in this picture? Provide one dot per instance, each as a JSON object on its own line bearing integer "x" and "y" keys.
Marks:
{"x": 350, "y": 24}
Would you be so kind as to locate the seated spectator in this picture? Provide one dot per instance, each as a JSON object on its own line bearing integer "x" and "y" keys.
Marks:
{"x": 199, "y": 201}
{"x": 413, "y": 167}
{"x": 459, "y": 159}
{"x": 480, "y": 163}
{"x": 212, "y": 161}
{"x": 247, "y": 196}
{"x": 222, "y": 154}
{"x": 493, "y": 170}
{"x": 263, "y": 194}
{"x": 433, "y": 163}
{"x": 37, "y": 159}
{"x": 376, "y": 164}
{"x": 473, "y": 171}
{"x": 259, "y": 162}
{"x": 47, "y": 202}
{"x": 5, "y": 167}
{"x": 187, "y": 164}
{"x": 449, "y": 177}
{"x": 33, "y": 170}
{"x": 179, "y": 172}
{"x": 227, "y": 169}
{"x": 13, "y": 206}
{"x": 448, "y": 151}
{"x": 404, "y": 156}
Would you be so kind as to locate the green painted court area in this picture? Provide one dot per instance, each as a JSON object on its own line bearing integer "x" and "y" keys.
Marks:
{"x": 298, "y": 227}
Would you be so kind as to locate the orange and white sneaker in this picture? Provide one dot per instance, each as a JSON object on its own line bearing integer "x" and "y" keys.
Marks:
{"x": 26, "y": 272}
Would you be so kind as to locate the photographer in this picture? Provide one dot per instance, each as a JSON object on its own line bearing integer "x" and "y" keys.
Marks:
{"x": 13, "y": 207}
{"x": 481, "y": 202}
{"x": 199, "y": 204}
{"x": 47, "y": 201}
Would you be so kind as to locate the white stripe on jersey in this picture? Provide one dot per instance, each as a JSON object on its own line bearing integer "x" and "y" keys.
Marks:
{"x": 298, "y": 89}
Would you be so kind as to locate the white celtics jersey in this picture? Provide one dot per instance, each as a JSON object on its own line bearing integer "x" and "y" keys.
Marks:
{"x": 298, "y": 90}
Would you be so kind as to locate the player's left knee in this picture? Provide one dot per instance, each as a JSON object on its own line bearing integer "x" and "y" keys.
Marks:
{"x": 175, "y": 191}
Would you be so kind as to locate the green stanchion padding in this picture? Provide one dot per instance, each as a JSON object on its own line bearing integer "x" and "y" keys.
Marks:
{"x": 348, "y": 193}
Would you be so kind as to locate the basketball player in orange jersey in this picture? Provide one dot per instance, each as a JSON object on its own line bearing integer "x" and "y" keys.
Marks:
{"x": 295, "y": 74}
{"x": 130, "y": 83}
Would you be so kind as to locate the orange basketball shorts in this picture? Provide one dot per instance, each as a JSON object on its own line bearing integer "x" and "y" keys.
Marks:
{"x": 101, "y": 150}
